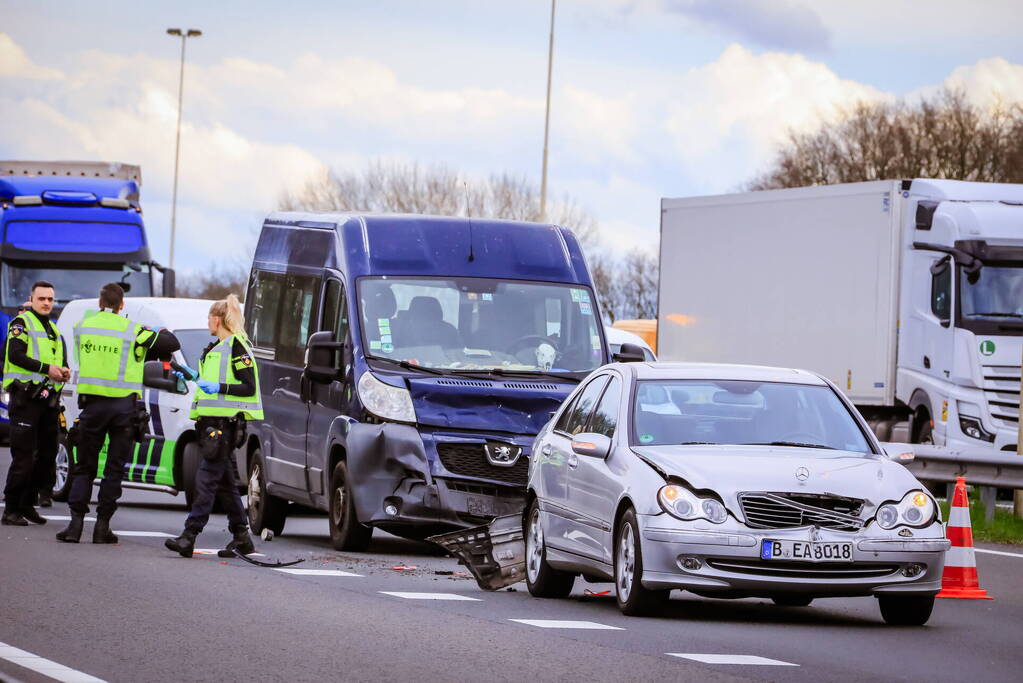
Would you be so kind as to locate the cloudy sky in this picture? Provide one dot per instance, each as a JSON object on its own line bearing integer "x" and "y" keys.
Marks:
{"x": 651, "y": 98}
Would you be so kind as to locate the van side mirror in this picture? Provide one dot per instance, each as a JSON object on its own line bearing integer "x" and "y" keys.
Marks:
{"x": 629, "y": 353}
{"x": 320, "y": 351}
{"x": 592, "y": 445}
{"x": 156, "y": 374}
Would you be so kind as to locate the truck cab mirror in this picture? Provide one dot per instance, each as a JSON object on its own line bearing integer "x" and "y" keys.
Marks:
{"x": 156, "y": 374}
{"x": 629, "y": 353}
{"x": 169, "y": 283}
{"x": 899, "y": 452}
{"x": 320, "y": 351}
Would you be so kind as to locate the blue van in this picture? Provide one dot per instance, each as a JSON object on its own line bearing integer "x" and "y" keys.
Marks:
{"x": 406, "y": 364}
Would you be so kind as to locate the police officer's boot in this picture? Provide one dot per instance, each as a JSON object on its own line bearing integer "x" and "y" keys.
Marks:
{"x": 13, "y": 518}
{"x": 241, "y": 542}
{"x": 73, "y": 531}
{"x": 101, "y": 533}
{"x": 29, "y": 512}
{"x": 183, "y": 545}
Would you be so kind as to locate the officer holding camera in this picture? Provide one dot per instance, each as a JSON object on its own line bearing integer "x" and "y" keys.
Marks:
{"x": 111, "y": 351}
{"x": 35, "y": 369}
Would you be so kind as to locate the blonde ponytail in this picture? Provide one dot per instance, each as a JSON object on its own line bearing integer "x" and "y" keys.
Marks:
{"x": 229, "y": 311}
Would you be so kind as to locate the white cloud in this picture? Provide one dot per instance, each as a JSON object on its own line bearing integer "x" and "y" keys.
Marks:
{"x": 14, "y": 63}
{"x": 989, "y": 82}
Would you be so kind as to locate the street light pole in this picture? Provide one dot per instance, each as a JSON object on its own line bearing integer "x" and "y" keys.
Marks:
{"x": 547, "y": 120}
{"x": 185, "y": 35}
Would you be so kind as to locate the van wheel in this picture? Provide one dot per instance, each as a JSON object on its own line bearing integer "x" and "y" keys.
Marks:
{"x": 62, "y": 482}
{"x": 346, "y": 533}
{"x": 634, "y": 599}
{"x": 542, "y": 580}
{"x": 265, "y": 511}
{"x": 190, "y": 458}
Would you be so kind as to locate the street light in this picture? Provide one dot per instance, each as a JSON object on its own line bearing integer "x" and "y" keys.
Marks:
{"x": 547, "y": 120}
{"x": 184, "y": 35}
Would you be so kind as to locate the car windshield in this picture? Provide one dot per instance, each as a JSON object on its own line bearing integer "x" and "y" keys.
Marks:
{"x": 192, "y": 344}
{"x": 993, "y": 292}
{"x": 480, "y": 324}
{"x": 68, "y": 282}
{"x": 743, "y": 412}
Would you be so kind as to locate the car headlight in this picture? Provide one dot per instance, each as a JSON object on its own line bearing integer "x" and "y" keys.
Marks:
{"x": 385, "y": 401}
{"x": 916, "y": 509}
{"x": 680, "y": 502}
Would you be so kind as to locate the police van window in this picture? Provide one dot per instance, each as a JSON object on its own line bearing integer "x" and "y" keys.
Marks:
{"x": 335, "y": 314}
{"x": 265, "y": 308}
{"x": 579, "y": 414}
{"x": 605, "y": 417}
{"x": 297, "y": 309}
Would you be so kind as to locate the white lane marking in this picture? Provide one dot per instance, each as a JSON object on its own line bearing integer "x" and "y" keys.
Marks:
{"x": 431, "y": 596}
{"x": 44, "y": 666}
{"x": 996, "y": 552}
{"x": 314, "y": 572}
{"x": 148, "y": 534}
{"x": 730, "y": 659}
{"x": 65, "y": 518}
{"x": 554, "y": 623}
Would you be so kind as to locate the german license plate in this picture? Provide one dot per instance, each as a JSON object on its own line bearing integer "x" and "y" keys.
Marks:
{"x": 480, "y": 506}
{"x": 806, "y": 551}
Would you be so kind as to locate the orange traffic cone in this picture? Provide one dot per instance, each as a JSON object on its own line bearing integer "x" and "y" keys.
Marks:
{"x": 960, "y": 577}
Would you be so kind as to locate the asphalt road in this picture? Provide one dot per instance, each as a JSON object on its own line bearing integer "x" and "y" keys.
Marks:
{"x": 136, "y": 612}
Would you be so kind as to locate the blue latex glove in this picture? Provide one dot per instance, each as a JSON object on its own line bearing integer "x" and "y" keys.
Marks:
{"x": 208, "y": 386}
{"x": 189, "y": 373}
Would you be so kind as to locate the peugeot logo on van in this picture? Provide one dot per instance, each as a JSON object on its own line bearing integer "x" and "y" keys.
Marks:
{"x": 502, "y": 454}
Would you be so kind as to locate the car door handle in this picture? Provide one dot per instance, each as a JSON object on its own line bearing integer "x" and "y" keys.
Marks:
{"x": 573, "y": 460}
{"x": 546, "y": 450}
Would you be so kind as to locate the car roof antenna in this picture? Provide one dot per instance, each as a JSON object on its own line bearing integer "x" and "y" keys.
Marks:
{"x": 468, "y": 214}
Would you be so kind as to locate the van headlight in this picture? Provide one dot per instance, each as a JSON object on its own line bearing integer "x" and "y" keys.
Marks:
{"x": 916, "y": 509}
{"x": 385, "y": 401}
{"x": 680, "y": 502}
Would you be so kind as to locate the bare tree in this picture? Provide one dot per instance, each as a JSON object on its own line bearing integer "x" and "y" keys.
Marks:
{"x": 223, "y": 279}
{"x": 941, "y": 137}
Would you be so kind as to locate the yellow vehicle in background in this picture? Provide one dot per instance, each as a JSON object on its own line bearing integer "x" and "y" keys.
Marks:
{"x": 646, "y": 329}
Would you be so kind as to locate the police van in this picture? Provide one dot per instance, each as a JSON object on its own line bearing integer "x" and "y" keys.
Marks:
{"x": 167, "y": 458}
{"x": 406, "y": 365}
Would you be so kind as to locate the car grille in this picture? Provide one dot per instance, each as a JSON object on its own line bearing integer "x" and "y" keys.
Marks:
{"x": 789, "y": 510}
{"x": 1001, "y": 388}
{"x": 470, "y": 460}
{"x": 803, "y": 570}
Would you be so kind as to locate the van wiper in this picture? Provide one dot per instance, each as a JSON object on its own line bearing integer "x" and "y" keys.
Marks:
{"x": 408, "y": 366}
{"x": 998, "y": 315}
{"x": 797, "y": 444}
{"x": 501, "y": 372}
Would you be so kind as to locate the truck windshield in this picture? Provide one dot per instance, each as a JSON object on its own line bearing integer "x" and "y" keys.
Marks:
{"x": 690, "y": 412}
{"x": 480, "y": 324}
{"x": 68, "y": 282}
{"x": 993, "y": 292}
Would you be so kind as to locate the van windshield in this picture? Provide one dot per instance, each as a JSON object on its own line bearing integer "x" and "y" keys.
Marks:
{"x": 480, "y": 323}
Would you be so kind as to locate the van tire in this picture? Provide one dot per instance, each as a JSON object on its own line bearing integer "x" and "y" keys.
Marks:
{"x": 265, "y": 511}
{"x": 346, "y": 533}
{"x": 189, "y": 471}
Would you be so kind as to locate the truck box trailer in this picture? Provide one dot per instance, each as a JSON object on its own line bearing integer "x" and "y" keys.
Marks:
{"x": 908, "y": 294}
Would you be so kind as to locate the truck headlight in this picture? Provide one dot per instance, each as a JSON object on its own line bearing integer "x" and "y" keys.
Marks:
{"x": 916, "y": 509}
{"x": 970, "y": 423}
{"x": 682, "y": 503}
{"x": 385, "y": 401}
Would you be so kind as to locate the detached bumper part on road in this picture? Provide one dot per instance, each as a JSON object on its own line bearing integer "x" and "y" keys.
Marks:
{"x": 728, "y": 562}
{"x": 396, "y": 487}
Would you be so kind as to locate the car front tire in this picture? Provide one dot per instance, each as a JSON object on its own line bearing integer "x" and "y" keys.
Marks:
{"x": 794, "y": 600}
{"x": 542, "y": 580}
{"x": 633, "y": 598}
{"x": 899, "y": 610}
{"x": 346, "y": 532}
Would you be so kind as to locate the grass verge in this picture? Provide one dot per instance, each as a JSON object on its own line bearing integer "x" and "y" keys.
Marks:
{"x": 1004, "y": 528}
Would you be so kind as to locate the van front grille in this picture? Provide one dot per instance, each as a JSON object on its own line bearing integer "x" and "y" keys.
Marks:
{"x": 470, "y": 460}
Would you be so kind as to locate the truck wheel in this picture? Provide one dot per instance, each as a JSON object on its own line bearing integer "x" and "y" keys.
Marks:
{"x": 265, "y": 511}
{"x": 910, "y": 610}
{"x": 924, "y": 432}
{"x": 542, "y": 580}
{"x": 189, "y": 470}
{"x": 346, "y": 533}
{"x": 634, "y": 599}
{"x": 62, "y": 482}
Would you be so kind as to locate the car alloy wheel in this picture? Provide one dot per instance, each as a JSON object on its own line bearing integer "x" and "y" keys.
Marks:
{"x": 534, "y": 546}
{"x": 62, "y": 468}
{"x": 626, "y": 574}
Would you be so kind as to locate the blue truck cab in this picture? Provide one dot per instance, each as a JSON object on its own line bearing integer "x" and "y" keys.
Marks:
{"x": 77, "y": 225}
{"x": 406, "y": 364}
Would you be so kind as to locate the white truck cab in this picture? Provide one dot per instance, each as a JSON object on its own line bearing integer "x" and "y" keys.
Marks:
{"x": 163, "y": 460}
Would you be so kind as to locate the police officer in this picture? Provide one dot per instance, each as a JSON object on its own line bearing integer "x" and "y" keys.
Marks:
{"x": 35, "y": 369}
{"x": 227, "y": 396}
{"x": 111, "y": 351}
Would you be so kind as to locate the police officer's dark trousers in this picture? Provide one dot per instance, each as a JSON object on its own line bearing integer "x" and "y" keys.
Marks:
{"x": 34, "y": 432}
{"x": 216, "y": 479}
{"x": 102, "y": 417}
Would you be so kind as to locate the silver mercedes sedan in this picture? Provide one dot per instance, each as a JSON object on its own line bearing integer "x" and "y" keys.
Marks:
{"x": 728, "y": 481}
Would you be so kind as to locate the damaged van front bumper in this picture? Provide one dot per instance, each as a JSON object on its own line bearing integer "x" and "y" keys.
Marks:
{"x": 402, "y": 481}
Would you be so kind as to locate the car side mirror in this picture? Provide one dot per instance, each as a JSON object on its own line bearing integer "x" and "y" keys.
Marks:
{"x": 319, "y": 357}
{"x": 592, "y": 445}
{"x": 899, "y": 452}
{"x": 156, "y": 374}
{"x": 629, "y": 353}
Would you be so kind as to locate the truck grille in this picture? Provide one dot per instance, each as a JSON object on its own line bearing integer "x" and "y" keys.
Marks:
{"x": 789, "y": 510}
{"x": 470, "y": 460}
{"x": 803, "y": 570}
{"x": 1001, "y": 388}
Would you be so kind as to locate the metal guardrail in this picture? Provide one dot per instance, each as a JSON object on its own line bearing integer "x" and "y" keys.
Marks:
{"x": 980, "y": 468}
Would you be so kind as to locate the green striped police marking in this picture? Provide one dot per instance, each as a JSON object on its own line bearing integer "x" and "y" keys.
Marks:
{"x": 987, "y": 347}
